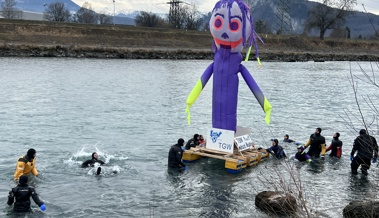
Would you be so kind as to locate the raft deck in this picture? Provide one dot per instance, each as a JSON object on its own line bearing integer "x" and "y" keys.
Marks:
{"x": 236, "y": 161}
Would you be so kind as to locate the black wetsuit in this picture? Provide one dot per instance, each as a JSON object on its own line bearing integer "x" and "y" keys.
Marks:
{"x": 367, "y": 148}
{"x": 91, "y": 163}
{"x": 22, "y": 194}
{"x": 315, "y": 145}
{"x": 288, "y": 140}
{"x": 175, "y": 157}
{"x": 192, "y": 143}
{"x": 336, "y": 148}
{"x": 278, "y": 151}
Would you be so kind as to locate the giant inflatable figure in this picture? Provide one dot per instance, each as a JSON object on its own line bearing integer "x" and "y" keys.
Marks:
{"x": 231, "y": 26}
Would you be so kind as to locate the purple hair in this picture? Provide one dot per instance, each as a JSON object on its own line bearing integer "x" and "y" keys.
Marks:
{"x": 245, "y": 10}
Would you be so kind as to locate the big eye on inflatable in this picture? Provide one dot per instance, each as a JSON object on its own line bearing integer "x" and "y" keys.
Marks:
{"x": 231, "y": 26}
{"x": 218, "y": 23}
{"x": 235, "y": 25}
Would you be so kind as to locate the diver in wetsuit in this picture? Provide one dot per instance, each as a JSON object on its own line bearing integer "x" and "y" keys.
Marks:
{"x": 175, "y": 156}
{"x": 276, "y": 149}
{"x": 316, "y": 143}
{"x": 91, "y": 162}
{"x": 26, "y": 165}
{"x": 22, "y": 193}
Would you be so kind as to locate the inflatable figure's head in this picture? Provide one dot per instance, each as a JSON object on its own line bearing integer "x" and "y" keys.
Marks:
{"x": 231, "y": 25}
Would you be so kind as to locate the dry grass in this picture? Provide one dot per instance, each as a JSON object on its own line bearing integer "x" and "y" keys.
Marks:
{"x": 107, "y": 37}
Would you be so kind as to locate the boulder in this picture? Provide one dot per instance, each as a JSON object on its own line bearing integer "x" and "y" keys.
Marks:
{"x": 279, "y": 203}
{"x": 362, "y": 209}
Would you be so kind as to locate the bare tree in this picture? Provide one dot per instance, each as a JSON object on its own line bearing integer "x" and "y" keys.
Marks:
{"x": 192, "y": 18}
{"x": 104, "y": 19}
{"x": 261, "y": 27}
{"x": 146, "y": 19}
{"x": 86, "y": 14}
{"x": 57, "y": 12}
{"x": 365, "y": 100}
{"x": 329, "y": 15}
{"x": 8, "y": 9}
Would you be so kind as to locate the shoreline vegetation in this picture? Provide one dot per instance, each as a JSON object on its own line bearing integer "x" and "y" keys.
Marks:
{"x": 22, "y": 38}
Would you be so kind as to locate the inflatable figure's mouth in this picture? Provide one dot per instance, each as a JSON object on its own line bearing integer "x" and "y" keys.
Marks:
{"x": 227, "y": 44}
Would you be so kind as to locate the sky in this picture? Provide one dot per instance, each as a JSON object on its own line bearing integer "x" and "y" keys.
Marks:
{"x": 161, "y": 6}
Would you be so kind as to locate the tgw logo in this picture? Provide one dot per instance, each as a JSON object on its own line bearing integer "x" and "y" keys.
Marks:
{"x": 215, "y": 136}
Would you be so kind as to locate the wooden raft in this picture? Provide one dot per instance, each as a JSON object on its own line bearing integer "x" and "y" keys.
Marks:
{"x": 236, "y": 161}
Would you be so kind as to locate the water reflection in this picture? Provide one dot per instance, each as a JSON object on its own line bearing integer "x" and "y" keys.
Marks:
{"x": 217, "y": 195}
{"x": 361, "y": 187}
{"x": 317, "y": 166}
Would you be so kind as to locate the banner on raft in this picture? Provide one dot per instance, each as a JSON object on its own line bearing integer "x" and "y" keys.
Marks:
{"x": 220, "y": 140}
{"x": 244, "y": 142}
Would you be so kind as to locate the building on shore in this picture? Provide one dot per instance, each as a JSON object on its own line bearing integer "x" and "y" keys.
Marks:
{"x": 26, "y": 15}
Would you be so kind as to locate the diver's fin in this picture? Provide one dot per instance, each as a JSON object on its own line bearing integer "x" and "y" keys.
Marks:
{"x": 98, "y": 171}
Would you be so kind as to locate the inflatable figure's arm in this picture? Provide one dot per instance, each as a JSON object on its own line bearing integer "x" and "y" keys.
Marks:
{"x": 197, "y": 89}
{"x": 265, "y": 104}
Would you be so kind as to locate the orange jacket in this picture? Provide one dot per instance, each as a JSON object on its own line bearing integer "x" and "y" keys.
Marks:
{"x": 24, "y": 167}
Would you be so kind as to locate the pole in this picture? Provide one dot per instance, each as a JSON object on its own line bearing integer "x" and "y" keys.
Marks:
{"x": 114, "y": 12}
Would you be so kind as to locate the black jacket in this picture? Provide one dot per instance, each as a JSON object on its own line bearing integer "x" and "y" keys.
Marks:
{"x": 22, "y": 194}
{"x": 315, "y": 146}
{"x": 91, "y": 163}
{"x": 192, "y": 143}
{"x": 288, "y": 140}
{"x": 175, "y": 157}
{"x": 366, "y": 146}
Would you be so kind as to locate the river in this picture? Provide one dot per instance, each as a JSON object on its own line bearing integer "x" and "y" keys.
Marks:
{"x": 132, "y": 111}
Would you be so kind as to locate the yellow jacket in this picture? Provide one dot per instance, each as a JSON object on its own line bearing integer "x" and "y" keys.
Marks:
{"x": 24, "y": 167}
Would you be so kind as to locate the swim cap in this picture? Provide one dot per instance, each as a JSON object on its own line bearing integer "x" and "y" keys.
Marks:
{"x": 181, "y": 142}
{"x": 31, "y": 153}
{"x": 23, "y": 180}
{"x": 301, "y": 147}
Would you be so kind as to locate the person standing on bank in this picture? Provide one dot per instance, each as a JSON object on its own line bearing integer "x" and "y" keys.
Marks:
{"x": 22, "y": 193}
{"x": 26, "y": 165}
{"x": 367, "y": 149}
{"x": 175, "y": 156}
{"x": 316, "y": 143}
{"x": 335, "y": 146}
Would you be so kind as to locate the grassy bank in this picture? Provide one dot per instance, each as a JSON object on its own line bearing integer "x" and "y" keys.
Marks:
{"x": 35, "y": 38}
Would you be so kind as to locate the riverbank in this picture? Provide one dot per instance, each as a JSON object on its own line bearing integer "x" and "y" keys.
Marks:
{"x": 20, "y": 38}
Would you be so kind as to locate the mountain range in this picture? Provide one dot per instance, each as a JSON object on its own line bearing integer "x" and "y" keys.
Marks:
{"x": 39, "y": 6}
{"x": 364, "y": 24}
{"x": 360, "y": 24}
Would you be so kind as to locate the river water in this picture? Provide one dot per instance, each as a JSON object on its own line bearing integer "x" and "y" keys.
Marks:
{"x": 132, "y": 111}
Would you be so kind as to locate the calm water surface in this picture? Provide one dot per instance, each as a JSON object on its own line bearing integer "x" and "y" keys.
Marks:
{"x": 132, "y": 111}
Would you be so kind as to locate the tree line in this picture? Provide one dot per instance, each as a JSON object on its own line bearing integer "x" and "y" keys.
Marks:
{"x": 58, "y": 12}
{"x": 330, "y": 15}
